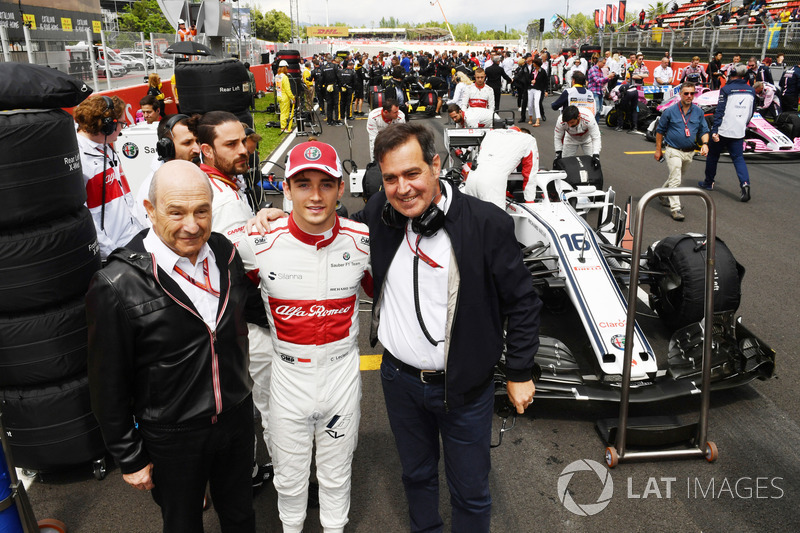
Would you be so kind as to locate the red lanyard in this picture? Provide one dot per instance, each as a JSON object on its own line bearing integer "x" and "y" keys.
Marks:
{"x": 205, "y": 286}
{"x": 685, "y": 122}
{"x": 419, "y": 253}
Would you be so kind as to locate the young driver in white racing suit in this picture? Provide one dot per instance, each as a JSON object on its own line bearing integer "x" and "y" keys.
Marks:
{"x": 309, "y": 267}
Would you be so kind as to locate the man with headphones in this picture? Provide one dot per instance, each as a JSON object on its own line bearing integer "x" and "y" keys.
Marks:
{"x": 175, "y": 141}
{"x": 441, "y": 350}
{"x": 108, "y": 195}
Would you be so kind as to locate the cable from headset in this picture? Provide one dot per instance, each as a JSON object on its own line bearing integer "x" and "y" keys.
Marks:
{"x": 103, "y": 194}
{"x": 416, "y": 297}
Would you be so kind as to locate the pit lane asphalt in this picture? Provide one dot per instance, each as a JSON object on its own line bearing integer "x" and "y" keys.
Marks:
{"x": 754, "y": 486}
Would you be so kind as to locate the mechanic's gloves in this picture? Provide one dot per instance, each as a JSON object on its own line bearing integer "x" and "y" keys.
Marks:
{"x": 555, "y": 161}
{"x": 596, "y": 161}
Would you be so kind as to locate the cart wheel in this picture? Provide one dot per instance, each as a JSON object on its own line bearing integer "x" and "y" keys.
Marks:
{"x": 49, "y": 525}
{"x": 711, "y": 453}
{"x": 612, "y": 457}
{"x": 99, "y": 469}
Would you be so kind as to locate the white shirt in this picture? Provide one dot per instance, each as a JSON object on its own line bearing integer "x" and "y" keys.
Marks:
{"x": 205, "y": 302}
{"x": 399, "y": 330}
{"x": 144, "y": 192}
{"x": 660, "y": 73}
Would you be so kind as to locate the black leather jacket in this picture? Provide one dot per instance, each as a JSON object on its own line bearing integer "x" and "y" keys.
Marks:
{"x": 152, "y": 358}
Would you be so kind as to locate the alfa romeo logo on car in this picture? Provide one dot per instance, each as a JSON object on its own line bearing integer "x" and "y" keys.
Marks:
{"x": 312, "y": 154}
{"x": 618, "y": 342}
{"x": 586, "y": 509}
{"x": 130, "y": 150}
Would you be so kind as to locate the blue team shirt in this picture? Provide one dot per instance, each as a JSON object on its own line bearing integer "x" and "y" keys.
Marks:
{"x": 671, "y": 126}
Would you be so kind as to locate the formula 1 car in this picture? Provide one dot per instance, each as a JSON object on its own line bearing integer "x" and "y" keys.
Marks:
{"x": 761, "y": 136}
{"x": 581, "y": 272}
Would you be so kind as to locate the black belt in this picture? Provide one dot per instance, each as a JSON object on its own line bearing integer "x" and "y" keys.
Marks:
{"x": 689, "y": 149}
{"x": 429, "y": 377}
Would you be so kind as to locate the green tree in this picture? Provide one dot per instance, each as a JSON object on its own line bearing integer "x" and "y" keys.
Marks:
{"x": 273, "y": 25}
{"x": 653, "y": 10}
{"x": 144, "y": 16}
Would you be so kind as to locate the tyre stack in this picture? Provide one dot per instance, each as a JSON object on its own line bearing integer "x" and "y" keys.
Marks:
{"x": 48, "y": 254}
{"x": 222, "y": 85}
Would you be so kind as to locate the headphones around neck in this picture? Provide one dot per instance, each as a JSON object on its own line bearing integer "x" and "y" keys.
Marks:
{"x": 427, "y": 224}
{"x": 108, "y": 123}
{"x": 165, "y": 147}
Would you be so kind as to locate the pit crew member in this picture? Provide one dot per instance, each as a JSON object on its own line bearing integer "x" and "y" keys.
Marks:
{"x": 676, "y": 139}
{"x": 461, "y": 248}
{"x": 108, "y": 196}
{"x": 577, "y": 129}
{"x": 577, "y": 95}
{"x": 225, "y": 157}
{"x": 474, "y": 117}
{"x": 380, "y": 118}
{"x": 283, "y": 91}
{"x": 734, "y": 110}
{"x": 478, "y": 94}
{"x": 694, "y": 73}
{"x": 766, "y": 103}
{"x": 502, "y": 152}
{"x": 309, "y": 268}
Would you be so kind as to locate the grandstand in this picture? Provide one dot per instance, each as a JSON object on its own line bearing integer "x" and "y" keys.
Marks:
{"x": 726, "y": 13}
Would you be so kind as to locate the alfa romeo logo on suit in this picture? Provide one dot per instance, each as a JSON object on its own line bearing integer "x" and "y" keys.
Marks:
{"x": 312, "y": 154}
{"x": 130, "y": 150}
{"x": 586, "y": 509}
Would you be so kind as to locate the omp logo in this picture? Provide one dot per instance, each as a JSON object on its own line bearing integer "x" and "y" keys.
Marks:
{"x": 365, "y": 240}
{"x": 287, "y": 358}
{"x": 586, "y": 509}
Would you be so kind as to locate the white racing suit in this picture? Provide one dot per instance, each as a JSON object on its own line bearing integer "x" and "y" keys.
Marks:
{"x": 586, "y": 135}
{"x": 229, "y": 215}
{"x": 375, "y": 124}
{"x": 475, "y": 117}
{"x": 475, "y": 97}
{"x": 310, "y": 284}
{"x": 502, "y": 151}
{"x": 116, "y": 223}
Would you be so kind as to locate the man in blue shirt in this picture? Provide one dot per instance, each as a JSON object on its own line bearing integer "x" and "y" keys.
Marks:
{"x": 676, "y": 141}
{"x": 734, "y": 110}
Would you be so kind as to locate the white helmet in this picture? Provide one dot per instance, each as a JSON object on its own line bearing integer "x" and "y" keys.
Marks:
{"x": 181, "y": 21}
{"x": 283, "y": 63}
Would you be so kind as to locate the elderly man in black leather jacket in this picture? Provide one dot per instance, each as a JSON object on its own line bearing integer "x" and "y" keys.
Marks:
{"x": 168, "y": 358}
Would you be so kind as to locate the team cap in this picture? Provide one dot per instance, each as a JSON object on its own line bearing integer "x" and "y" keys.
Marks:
{"x": 313, "y": 155}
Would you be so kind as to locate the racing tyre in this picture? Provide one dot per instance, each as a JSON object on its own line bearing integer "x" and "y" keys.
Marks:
{"x": 678, "y": 295}
{"x": 43, "y": 348}
{"x": 376, "y": 99}
{"x": 47, "y": 264}
{"x": 51, "y": 427}
{"x": 650, "y": 132}
{"x": 40, "y": 166}
{"x": 789, "y": 124}
{"x": 221, "y": 85}
{"x": 612, "y": 117}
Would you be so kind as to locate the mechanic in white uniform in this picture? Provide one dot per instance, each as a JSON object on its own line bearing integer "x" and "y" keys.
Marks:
{"x": 310, "y": 267}
{"x": 577, "y": 129}
{"x": 474, "y": 117}
{"x": 381, "y": 117}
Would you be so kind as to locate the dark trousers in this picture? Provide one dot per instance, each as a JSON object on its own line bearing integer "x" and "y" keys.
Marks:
{"x": 332, "y": 103}
{"x": 184, "y": 461}
{"x": 735, "y": 148}
{"x": 496, "y": 91}
{"x": 345, "y": 103}
{"x": 418, "y": 418}
{"x": 789, "y": 102}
